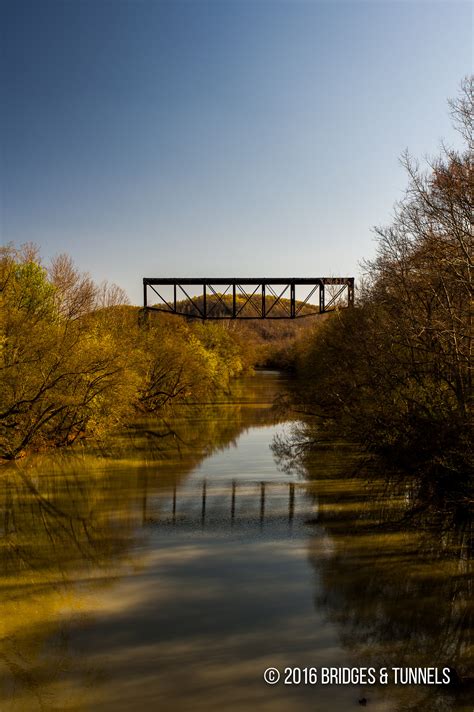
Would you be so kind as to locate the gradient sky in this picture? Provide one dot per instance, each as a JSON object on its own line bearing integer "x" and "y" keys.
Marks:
{"x": 149, "y": 138}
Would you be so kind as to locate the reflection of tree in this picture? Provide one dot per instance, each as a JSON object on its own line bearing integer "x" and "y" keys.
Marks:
{"x": 67, "y": 524}
{"x": 59, "y": 534}
{"x": 399, "y": 590}
{"x": 177, "y": 445}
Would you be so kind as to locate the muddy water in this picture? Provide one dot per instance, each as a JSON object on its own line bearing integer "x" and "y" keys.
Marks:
{"x": 167, "y": 569}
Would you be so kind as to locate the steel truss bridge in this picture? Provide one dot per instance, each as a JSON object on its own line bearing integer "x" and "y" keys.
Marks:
{"x": 248, "y": 298}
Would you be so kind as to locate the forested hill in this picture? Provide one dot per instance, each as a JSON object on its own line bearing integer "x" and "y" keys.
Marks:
{"x": 271, "y": 341}
{"x": 220, "y": 305}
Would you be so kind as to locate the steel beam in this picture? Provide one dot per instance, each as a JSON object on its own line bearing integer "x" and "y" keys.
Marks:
{"x": 254, "y": 293}
{"x": 321, "y": 298}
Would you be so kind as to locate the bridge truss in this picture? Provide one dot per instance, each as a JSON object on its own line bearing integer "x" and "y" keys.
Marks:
{"x": 248, "y": 298}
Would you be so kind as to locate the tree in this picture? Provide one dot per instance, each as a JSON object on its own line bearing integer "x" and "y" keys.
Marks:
{"x": 396, "y": 372}
{"x": 60, "y": 367}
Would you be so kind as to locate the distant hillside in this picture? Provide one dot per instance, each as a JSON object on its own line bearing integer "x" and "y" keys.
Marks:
{"x": 271, "y": 340}
{"x": 221, "y": 306}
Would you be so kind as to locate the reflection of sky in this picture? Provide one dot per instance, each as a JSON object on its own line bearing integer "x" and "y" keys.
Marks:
{"x": 241, "y": 484}
{"x": 250, "y": 459}
{"x": 215, "y": 603}
{"x": 197, "y": 628}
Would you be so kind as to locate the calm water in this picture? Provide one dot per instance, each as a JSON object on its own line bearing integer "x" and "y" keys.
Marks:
{"x": 168, "y": 570}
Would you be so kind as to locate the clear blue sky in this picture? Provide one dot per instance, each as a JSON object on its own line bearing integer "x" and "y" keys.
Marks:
{"x": 151, "y": 138}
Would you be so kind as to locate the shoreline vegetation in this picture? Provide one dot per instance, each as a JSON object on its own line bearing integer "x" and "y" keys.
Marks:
{"x": 393, "y": 374}
{"x": 78, "y": 362}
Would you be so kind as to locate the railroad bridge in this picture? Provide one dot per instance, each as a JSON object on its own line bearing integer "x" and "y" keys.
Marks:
{"x": 248, "y": 298}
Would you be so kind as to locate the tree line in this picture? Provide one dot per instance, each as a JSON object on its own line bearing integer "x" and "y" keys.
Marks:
{"x": 75, "y": 362}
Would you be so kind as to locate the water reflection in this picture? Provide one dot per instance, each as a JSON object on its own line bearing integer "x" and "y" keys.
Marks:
{"x": 399, "y": 588}
{"x": 60, "y": 539}
{"x": 72, "y": 528}
{"x": 167, "y": 568}
{"x": 223, "y": 504}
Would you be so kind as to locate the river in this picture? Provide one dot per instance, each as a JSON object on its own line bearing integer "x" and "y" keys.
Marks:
{"x": 168, "y": 568}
